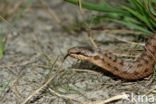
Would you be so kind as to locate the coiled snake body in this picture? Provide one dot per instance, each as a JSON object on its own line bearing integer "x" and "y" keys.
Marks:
{"x": 138, "y": 69}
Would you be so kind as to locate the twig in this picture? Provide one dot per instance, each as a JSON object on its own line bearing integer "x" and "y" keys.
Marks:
{"x": 59, "y": 72}
{"x": 151, "y": 90}
{"x": 126, "y": 41}
{"x": 62, "y": 96}
{"x": 91, "y": 39}
{"x": 50, "y": 11}
{"x": 109, "y": 30}
{"x": 114, "y": 98}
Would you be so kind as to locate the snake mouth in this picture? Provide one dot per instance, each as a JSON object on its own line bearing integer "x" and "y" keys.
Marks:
{"x": 76, "y": 56}
{"x": 79, "y": 57}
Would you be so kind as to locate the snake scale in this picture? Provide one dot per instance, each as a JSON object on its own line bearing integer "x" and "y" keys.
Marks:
{"x": 140, "y": 68}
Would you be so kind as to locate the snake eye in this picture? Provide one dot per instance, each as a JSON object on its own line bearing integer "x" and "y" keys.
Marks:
{"x": 78, "y": 52}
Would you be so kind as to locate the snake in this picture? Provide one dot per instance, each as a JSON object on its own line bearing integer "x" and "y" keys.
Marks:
{"x": 139, "y": 68}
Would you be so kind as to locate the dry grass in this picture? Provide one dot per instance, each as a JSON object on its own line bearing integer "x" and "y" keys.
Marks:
{"x": 60, "y": 84}
{"x": 9, "y": 9}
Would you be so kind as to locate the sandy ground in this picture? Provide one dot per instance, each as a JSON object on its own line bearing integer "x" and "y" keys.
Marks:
{"x": 36, "y": 45}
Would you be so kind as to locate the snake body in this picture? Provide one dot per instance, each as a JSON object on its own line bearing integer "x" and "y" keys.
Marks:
{"x": 140, "y": 68}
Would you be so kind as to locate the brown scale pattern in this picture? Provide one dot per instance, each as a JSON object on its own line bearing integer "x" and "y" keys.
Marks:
{"x": 141, "y": 68}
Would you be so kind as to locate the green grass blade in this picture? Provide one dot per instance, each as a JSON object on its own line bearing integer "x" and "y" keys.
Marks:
{"x": 2, "y": 45}
{"x": 139, "y": 16}
{"x": 105, "y": 7}
{"x": 134, "y": 26}
{"x": 135, "y": 14}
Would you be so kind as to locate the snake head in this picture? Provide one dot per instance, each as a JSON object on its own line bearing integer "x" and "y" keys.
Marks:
{"x": 81, "y": 53}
